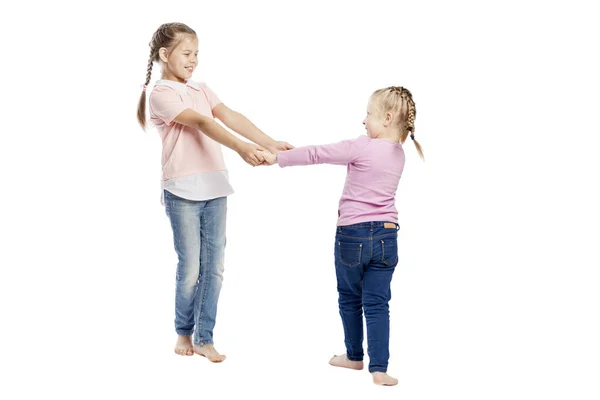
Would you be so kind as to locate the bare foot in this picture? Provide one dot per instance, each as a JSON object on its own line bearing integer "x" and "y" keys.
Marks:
{"x": 342, "y": 361}
{"x": 381, "y": 378}
{"x": 209, "y": 352}
{"x": 184, "y": 347}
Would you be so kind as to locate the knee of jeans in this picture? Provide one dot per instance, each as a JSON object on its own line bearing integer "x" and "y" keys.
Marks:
{"x": 353, "y": 301}
{"x": 187, "y": 283}
{"x": 188, "y": 273}
{"x": 375, "y": 304}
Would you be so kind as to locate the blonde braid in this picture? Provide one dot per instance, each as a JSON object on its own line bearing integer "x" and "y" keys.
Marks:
{"x": 412, "y": 113}
{"x": 406, "y": 111}
{"x": 410, "y": 120}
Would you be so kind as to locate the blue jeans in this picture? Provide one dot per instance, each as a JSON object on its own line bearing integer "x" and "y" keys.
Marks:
{"x": 199, "y": 236}
{"x": 366, "y": 255}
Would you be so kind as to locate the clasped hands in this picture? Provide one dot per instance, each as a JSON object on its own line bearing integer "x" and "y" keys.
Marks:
{"x": 256, "y": 155}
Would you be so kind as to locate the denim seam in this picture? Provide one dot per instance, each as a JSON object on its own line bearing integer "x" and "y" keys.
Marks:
{"x": 205, "y": 285}
{"x": 354, "y": 237}
{"x": 199, "y": 287}
{"x": 389, "y": 235}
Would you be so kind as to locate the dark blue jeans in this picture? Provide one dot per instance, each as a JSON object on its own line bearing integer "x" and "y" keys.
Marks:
{"x": 366, "y": 255}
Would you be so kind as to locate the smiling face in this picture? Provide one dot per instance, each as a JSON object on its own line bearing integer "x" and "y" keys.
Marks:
{"x": 180, "y": 62}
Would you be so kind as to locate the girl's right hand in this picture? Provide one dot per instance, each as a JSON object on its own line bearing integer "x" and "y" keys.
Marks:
{"x": 270, "y": 158}
{"x": 251, "y": 153}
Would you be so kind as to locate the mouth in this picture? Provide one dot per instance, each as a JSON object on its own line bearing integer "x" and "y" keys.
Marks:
{"x": 190, "y": 69}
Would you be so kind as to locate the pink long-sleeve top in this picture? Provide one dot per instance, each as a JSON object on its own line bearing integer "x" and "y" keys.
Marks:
{"x": 374, "y": 170}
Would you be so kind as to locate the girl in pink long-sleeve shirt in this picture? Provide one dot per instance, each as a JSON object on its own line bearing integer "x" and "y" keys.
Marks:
{"x": 366, "y": 248}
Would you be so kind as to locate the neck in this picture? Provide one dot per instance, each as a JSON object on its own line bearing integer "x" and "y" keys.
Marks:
{"x": 391, "y": 135}
{"x": 166, "y": 75}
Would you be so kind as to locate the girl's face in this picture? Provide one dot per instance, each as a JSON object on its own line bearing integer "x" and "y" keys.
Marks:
{"x": 373, "y": 122}
{"x": 179, "y": 63}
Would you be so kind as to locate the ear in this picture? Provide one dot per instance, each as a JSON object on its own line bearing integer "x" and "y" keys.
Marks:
{"x": 163, "y": 53}
{"x": 388, "y": 119}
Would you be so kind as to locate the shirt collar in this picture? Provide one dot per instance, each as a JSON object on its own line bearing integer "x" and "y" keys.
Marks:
{"x": 179, "y": 87}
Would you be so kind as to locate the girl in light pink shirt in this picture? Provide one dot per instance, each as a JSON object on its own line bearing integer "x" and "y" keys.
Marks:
{"x": 366, "y": 248}
{"x": 195, "y": 181}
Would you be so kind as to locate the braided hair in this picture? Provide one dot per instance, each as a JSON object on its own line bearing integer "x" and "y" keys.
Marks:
{"x": 167, "y": 35}
{"x": 399, "y": 101}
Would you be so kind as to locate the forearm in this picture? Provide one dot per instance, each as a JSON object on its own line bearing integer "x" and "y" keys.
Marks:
{"x": 338, "y": 153}
{"x": 242, "y": 125}
{"x": 209, "y": 127}
{"x": 219, "y": 134}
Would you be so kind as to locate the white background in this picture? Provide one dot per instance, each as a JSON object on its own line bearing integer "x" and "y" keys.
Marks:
{"x": 496, "y": 294}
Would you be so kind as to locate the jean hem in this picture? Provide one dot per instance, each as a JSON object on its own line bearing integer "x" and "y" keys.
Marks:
{"x": 377, "y": 369}
{"x": 359, "y": 358}
{"x": 203, "y": 342}
{"x": 184, "y": 333}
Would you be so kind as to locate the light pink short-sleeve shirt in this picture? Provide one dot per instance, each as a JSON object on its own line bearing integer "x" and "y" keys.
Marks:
{"x": 192, "y": 163}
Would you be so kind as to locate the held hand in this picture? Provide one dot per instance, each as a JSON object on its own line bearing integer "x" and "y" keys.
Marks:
{"x": 269, "y": 157}
{"x": 280, "y": 146}
{"x": 251, "y": 153}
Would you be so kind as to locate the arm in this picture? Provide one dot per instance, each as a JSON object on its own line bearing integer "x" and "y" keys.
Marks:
{"x": 341, "y": 153}
{"x": 251, "y": 154}
{"x": 242, "y": 125}
{"x": 167, "y": 105}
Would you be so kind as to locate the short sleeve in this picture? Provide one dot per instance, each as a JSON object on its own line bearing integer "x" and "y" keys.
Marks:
{"x": 212, "y": 98}
{"x": 165, "y": 104}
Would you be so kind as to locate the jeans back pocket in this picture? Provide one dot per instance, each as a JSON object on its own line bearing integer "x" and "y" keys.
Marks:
{"x": 389, "y": 251}
{"x": 349, "y": 254}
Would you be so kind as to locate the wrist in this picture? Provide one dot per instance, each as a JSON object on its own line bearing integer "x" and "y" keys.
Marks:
{"x": 270, "y": 145}
{"x": 238, "y": 145}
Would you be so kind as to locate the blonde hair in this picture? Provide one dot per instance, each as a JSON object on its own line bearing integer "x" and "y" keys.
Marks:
{"x": 168, "y": 36}
{"x": 398, "y": 101}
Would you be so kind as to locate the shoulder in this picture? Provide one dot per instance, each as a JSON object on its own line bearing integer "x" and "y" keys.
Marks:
{"x": 161, "y": 90}
{"x": 361, "y": 140}
{"x": 197, "y": 85}
{"x": 164, "y": 93}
